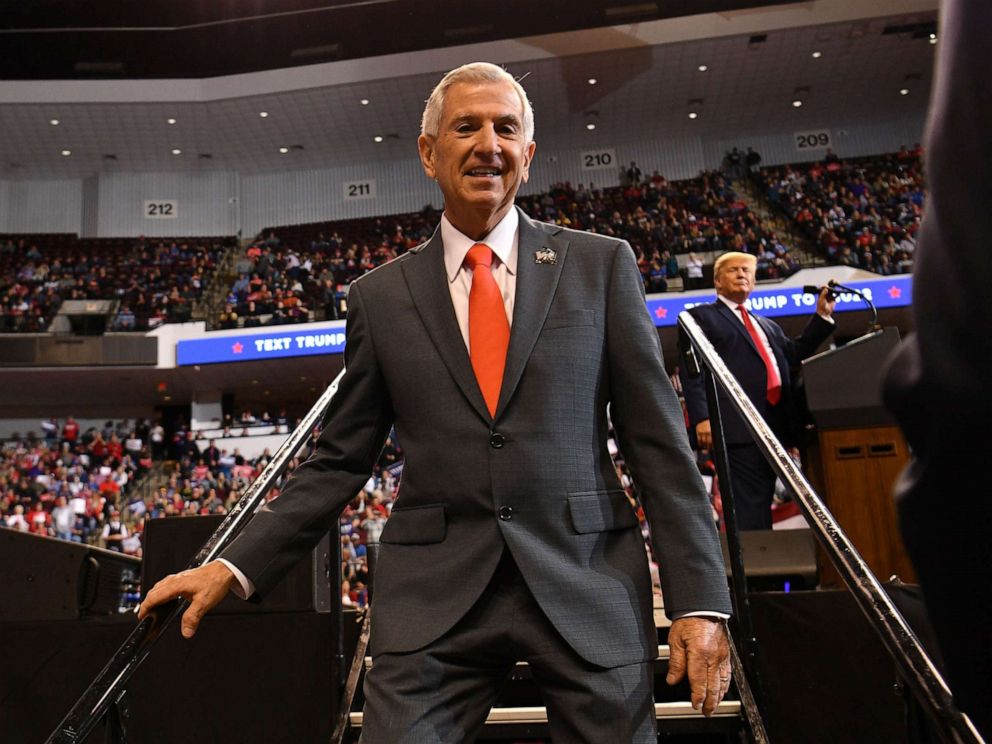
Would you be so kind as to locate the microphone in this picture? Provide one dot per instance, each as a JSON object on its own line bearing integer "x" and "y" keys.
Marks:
{"x": 832, "y": 288}
{"x": 813, "y": 289}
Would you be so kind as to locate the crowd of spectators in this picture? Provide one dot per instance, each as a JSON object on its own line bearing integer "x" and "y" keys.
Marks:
{"x": 74, "y": 484}
{"x": 155, "y": 281}
{"x": 363, "y": 521}
{"x": 290, "y": 273}
{"x": 288, "y": 279}
{"x": 80, "y": 486}
{"x": 663, "y": 219}
{"x": 860, "y": 212}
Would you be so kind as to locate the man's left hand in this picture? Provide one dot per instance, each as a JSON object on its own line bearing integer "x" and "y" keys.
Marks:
{"x": 699, "y": 645}
{"x": 825, "y": 303}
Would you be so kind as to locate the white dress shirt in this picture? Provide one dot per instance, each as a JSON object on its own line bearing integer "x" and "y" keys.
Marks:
{"x": 503, "y": 240}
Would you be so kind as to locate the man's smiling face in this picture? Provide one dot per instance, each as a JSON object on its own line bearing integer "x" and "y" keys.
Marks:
{"x": 480, "y": 155}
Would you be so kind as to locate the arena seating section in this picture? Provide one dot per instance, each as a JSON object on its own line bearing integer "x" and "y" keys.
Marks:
{"x": 96, "y": 472}
{"x": 861, "y": 212}
{"x": 99, "y": 471}
{"x": 293, "y": 272}
{"x": 157, "y": 280}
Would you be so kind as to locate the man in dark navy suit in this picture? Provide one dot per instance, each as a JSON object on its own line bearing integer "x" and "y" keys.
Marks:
{"x": 760, "y": 356}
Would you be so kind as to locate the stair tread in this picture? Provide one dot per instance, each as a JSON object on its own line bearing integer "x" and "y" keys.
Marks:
{"x": 539, "y": 714}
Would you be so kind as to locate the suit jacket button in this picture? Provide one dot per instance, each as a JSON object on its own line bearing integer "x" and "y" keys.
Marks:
{"x": 496, "y": 440}
{"x": 505, "y": 513}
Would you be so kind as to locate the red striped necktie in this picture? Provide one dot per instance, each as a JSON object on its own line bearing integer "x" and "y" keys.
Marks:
{"x": 773, "y": 393}
{"x": 488, "y": 327}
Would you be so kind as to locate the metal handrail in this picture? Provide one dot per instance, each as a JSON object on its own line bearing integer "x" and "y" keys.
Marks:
{"x": 109, "y": 686}
{"x": 903, "y": 646}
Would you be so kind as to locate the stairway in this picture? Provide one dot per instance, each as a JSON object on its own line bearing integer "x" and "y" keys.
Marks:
{"x": 150, "y": 482}
{"x": 211, "y": 302}
{"x": 519, "y": 715}
{"x": 804, "y": 250}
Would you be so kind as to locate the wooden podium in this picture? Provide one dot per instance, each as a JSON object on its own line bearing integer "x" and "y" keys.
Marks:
{"x": 860, "y": 452}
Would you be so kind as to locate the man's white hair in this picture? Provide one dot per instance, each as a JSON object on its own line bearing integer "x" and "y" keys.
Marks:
{"x": 474, "y": 72}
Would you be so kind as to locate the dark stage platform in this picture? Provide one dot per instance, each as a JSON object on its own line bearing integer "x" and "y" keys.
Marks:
{"x": 269, "y": 677}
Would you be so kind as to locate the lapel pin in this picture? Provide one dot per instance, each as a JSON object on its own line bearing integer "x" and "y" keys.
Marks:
{"x": 546, "y": 256}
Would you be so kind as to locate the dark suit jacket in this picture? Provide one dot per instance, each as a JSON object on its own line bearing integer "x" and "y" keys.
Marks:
{"x": 938, "y": 382}
{"x": 581, "y": 339}
{"x": 733, "y": 343}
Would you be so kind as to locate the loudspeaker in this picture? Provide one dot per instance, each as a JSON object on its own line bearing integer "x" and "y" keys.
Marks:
{"x": 171, "y": 543}
{"x": 773, "y": 558}
{"x": 42, "y": 578}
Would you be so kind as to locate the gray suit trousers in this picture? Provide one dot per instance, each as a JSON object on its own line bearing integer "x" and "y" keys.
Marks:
{"x": 443, "y": 692}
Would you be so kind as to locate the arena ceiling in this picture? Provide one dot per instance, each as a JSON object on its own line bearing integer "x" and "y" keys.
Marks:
{"x": 83, "y": 39}
{"x": 647, "y": 70}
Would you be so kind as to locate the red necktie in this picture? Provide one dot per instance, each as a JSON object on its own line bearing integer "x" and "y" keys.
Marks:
{"x": 774, "y": 390}
{"x": 488, "y": 327}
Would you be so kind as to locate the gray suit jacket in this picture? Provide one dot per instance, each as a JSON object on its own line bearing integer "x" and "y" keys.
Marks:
{"x": 581, "y": 339}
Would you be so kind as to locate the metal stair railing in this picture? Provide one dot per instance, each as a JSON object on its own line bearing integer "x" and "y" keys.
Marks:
{"x": 105, "y": 697}
{"x": 914, "y": 666}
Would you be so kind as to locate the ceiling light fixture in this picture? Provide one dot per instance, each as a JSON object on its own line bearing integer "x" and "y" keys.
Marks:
{"x": 592, "y": 81}
{"x": 66, "y": 153}
{"x": 283, "y": 150}
{"x": 54, "y": 122}
{"x": 797, "y": 103}
{"x": 693, "y": 115}
{"x": 170, "y": 120}
{"x": 816, "y": 55}
{"x": 590, "y": 126}
{"x": 702, "y": 68}
{"x": 176, "y": 151}
{"x": 377, "y": 138}
{"x": 263, "y": 114}
{"x": 364, "y": 102}
{"x": 904, "y": 91}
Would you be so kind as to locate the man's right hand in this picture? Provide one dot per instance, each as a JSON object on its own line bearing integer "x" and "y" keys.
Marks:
{"x": 202, "y": 587}
{"x": 704, "y": 436}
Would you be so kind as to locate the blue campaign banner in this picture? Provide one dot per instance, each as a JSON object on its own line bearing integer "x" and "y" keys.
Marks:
{"x": 293, "y": 341}
{"x": 289, "y": 341}
{"x": 890, "y": 291}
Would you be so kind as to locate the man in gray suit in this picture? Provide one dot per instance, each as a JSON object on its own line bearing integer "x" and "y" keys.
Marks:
{"x": 494, "y": 350}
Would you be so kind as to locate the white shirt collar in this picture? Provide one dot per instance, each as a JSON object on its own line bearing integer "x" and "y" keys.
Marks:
{"x": 730, "y": 303}
{"x": 502, "y": 239}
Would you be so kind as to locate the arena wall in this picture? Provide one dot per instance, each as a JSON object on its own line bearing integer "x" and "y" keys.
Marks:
{"x": 226, "y": 202}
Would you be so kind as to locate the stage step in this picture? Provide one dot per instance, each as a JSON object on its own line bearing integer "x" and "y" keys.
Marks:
{"x": 538, "y": 714}
{"x": 663, "y": 653}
